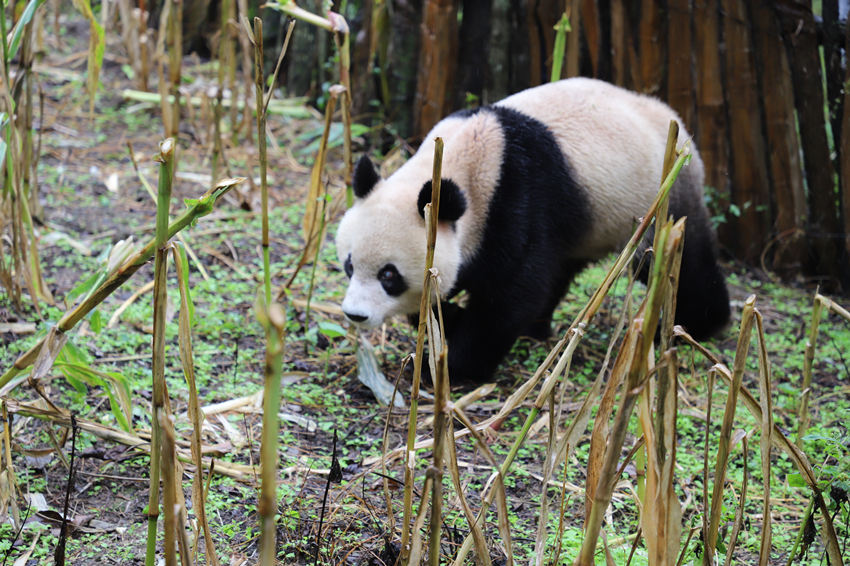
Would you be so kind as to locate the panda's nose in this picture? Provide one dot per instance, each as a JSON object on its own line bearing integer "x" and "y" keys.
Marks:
{"x": 355, "y": 317}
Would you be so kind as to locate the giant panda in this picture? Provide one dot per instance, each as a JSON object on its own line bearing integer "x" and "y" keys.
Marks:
{"x": 533, "y": 188}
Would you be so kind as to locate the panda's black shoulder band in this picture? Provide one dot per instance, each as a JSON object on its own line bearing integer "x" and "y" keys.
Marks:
{"x": 365, "y": 177}
{"x": 452, "y": 201}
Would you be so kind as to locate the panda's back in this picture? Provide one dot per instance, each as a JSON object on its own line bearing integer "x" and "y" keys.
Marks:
{"x": 614, "y": 141}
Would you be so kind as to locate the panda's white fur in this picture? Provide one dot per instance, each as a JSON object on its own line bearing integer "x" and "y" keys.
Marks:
{"x": 616, "y": 140}
{"x": 611, "y": 144}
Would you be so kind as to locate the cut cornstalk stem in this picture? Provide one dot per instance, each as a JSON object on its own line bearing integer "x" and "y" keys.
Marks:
{"x": 811, "y": 342}
{"x": 196, "y": 415}
{"x": 272, "y": 317}
{"x": 262, "y": 150}
{"x": 726, "y": 427}
{"x": 431, "y": 214}
{"x": 801, "y": 462}
{"x": 161, "y": 460}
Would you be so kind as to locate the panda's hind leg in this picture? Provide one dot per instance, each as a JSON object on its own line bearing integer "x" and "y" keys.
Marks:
{"x": 702, "y": 301}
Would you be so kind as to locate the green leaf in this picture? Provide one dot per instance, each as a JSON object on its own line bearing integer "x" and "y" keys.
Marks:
{"x": 331, "y": 329}
{"x": 18, "y": 31}
{"x": 184, "y": 264}
{"x": 96, "y": 321}
{"x": 86, "y": 286}
{"x": 4, "y": 119}
{"x": 97, "y": 45}
{"x": 795, "y": 479}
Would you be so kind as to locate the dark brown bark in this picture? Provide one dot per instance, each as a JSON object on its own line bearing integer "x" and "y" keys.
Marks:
{"x": 542, "y": 17}
{"x": 590, "y": 26}
{"x": 711, "y": 127}
{"x": 652, "y": 45}
{"x": 362, "y": 84}
{"x": 403, "y": 65}
{"x": 844, "y": 160}
{"x": 604, "y": 69}
{"x": 798, "y": 27}
{"x": 832, "y": 46}
{"x": 573, "y": 46}
{"x": 777, "y": 96}
{"x": 750, "y": 186}
{"x": 624, "y": 69}
{"x": 680, "y": 83}
{"x": 437, "y": 59}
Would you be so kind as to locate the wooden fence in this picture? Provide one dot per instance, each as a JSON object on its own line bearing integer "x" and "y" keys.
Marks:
{"x": 745, "y": 75}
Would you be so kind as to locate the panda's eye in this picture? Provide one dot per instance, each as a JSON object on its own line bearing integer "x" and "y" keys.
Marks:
{"x": 391, "y": 280}
{"x": 346, "y": 265}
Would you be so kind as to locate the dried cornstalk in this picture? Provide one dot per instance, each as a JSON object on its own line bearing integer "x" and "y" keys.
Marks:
{"x": 117, "y": 276}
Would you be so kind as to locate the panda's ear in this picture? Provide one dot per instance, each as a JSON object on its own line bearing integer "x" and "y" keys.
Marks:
{"x": 365, "y": 177}
{"x": 452, "y": 201}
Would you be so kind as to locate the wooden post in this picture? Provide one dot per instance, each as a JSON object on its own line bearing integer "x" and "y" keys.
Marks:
{"x": 591, "y": 28}
{"x": 798, "y": 27}
{"x": 680, "y": 83}
{"x": 437, "y": 58}
{"x": 542, "y": 17}
{"x": 844, "y": 160}
{"x": 625, "y": 71}
{"x": 474, "y": 51}
{"x": 573, "y": 51}
{"x": 750, "y": 185}
{"x": 711, "y": 126}
{"x": 651, "y": 35}
{"x": 783, "y": 144}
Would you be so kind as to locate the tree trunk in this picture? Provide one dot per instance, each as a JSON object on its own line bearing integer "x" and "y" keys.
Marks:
{"x": 590, "y": 25}
{"x": 403, "y": 62}
{"x": 777, "y": 95}
{"x": 844, "y": 160}
{"x": 798, "y": 26}
{"x": 832, "y": 44}
{"x": 750, "y": 186}
{"x": 573, "y": 47}
{"x": 680, "y": 83}
{"x": 652, "y": 47}
{"x": 362, "y": 82}
{"x": 711, "y": 124}
{"x": 542, "y": 17}
{"x": 604, "y": 69}
{"x": 437, "y": 58}
{"x": 623, "y": 56}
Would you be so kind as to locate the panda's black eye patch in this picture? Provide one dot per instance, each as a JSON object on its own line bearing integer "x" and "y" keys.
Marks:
{"x": 391, "y": 280}
{"x": 346, "y": 265}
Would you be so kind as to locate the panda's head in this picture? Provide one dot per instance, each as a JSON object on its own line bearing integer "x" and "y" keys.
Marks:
{"x": 381, "y": 241}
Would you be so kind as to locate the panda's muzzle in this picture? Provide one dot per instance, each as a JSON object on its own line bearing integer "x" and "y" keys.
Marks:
{"x": 355, "y": 317}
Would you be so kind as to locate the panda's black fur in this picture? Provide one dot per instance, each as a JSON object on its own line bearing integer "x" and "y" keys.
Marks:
{"x": 529, "y": 251}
